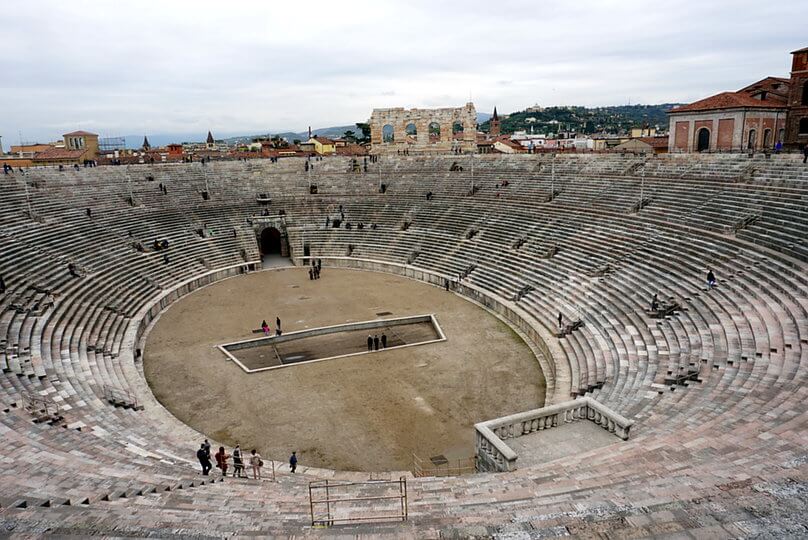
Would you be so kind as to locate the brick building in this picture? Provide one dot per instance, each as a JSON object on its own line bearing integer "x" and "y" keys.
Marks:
{"x": 754, "y": 118}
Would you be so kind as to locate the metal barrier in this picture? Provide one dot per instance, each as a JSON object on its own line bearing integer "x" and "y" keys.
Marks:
{"x": 328, "y": 508}
{"x": 121, "y": 398}
{"x": 426, "y": 467}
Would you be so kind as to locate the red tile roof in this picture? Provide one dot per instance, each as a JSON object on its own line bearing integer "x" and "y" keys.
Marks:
{"x": 80, "y": 134}
{"x": 804, "y": 49}
{"x": 655, "y": 142}
{"x": 323, "y": 140}
{"x": 729, "y": 100}
{"x": 58, "y": 153}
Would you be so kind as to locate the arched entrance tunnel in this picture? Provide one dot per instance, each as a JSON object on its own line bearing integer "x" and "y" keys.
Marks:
{"x": 270, "y": 241}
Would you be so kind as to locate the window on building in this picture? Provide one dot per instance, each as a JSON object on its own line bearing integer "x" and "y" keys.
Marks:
{"x": 752, "y": 139}
{"x": 781, "y": 135}
{"x": 767, "y": 138}
{"x": 805, "y": 93}
{"x": 804, "y": 126}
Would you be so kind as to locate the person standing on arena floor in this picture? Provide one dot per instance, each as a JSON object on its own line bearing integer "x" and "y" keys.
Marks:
{"x": 311, "y": 274}
{"x": 370, "y": 342}
{"x": 265, "y": 328}
{"x": 293, "y": 462}
{"x": 204, "y": 459}
{"x": 384, "y": 341}
{"x": 257, "y": 463}
{"x": 238, "y": 462}
{"x": 376, "y": 342}
{"x": 278, "y": 325}
{"x": 221, "y": 460}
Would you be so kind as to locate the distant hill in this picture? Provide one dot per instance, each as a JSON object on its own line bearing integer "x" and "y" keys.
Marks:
{"x": 613, "y": 119}
{"x": 581, "y": 119}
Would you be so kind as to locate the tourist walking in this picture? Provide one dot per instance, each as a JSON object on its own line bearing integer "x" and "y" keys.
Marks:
{"x": 221, "y": 460}
{"x": 384, "y": 341}
{"x": 278, "y": 324}
{"x": 265, "y": 327}
{"x": 370, "y": 343}
{"x": 311, "y": 274}
{"x": 238, "y": 462}
{"x": 560, "y": 320}
{"x": 376, "y": 342}
{"x": 293, "y": 462}
{"x": 710, "y": 279}
{"x": 204, "y": 459}
{"x": 257, "y": 463}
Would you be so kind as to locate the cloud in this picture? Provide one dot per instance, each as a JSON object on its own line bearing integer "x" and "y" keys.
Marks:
{"x": 129, "y": 67}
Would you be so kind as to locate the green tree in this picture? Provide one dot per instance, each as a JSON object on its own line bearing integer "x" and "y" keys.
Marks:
{"x": 364, "y": 127}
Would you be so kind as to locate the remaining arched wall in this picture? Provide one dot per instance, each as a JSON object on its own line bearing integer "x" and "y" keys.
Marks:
{"x": 400, "y": 118}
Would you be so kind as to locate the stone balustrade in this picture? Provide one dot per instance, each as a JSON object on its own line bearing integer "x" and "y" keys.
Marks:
{"x": 493, "y": 455}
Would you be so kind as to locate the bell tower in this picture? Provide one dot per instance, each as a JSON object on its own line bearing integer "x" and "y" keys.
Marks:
{"x": 796, "y": 135}
{"x": 494, "y": 126}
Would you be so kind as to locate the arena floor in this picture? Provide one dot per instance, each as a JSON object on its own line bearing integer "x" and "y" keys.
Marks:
{"x": 366, "y": 412}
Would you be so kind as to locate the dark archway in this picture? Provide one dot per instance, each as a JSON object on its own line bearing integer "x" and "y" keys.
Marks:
{"x": 703, "y": 140}
{"x": 270, "y": 241}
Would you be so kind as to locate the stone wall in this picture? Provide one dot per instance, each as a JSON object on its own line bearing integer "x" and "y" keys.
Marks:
{"x": 445, "y": 142}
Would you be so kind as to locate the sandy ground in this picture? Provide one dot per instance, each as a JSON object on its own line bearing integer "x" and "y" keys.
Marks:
{"x": 367, "y": 412}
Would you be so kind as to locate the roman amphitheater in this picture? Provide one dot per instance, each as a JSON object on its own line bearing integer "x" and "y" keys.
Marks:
{"x": 487, "y": 420}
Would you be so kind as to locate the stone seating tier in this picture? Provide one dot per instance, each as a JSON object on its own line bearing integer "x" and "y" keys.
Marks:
{"x": 716, "y": 390}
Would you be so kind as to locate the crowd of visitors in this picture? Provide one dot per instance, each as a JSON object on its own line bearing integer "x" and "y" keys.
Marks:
{"x": 222, "y": 460}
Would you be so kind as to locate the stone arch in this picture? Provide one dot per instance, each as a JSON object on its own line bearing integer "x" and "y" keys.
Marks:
{"x": 703, "y": 140}
{"x": 388, "y": 133}
{"x": 422, "y": 130}
{"x": 271, "y": 236}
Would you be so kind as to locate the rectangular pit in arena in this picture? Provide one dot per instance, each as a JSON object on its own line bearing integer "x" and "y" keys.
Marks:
{"x": 331, "y": 342}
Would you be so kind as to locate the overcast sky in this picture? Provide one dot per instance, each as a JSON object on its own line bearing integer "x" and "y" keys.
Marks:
{"x": 129, "y": 67}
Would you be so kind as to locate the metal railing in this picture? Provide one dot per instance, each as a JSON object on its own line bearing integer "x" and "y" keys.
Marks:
{"x": 425, "y": 467}
{"x": 331, "y": 502}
